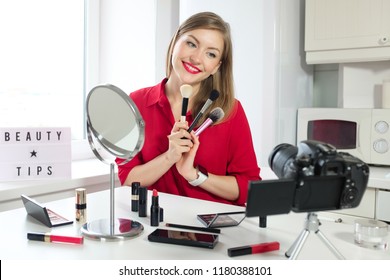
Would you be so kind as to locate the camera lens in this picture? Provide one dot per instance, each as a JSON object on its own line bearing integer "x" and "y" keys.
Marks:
{"x": 280, "y": 158}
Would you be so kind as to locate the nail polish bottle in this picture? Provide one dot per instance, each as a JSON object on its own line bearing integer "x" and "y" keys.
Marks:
{"x": 154, "y": 210}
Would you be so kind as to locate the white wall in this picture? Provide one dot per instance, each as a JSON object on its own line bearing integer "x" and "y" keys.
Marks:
{"x": 350, "y": 85}
{"x": 361, "y": 84}
{"x": 325, "y": 85}
{"x": 127, "y": 43}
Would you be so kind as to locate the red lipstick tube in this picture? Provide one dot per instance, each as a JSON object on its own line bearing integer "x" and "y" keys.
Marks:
{"x": 48, "y": 237}
{"x": 253, "y": 249}
{"x": 155, "y": 210}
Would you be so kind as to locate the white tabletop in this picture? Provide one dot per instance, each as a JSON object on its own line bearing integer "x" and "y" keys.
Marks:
{"x": 181, "y": 210}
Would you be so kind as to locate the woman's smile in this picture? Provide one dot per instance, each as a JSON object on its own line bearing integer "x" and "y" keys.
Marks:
{"x": 191, "y": 68}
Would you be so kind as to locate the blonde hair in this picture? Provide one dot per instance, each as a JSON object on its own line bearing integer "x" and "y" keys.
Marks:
{"x": 222, "y": 80}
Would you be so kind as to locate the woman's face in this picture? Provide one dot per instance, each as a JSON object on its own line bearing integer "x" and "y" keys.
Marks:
{"x": 197, "y": 55}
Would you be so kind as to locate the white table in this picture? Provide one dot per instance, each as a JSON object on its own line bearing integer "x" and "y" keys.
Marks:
{"x": 181, "y": 210}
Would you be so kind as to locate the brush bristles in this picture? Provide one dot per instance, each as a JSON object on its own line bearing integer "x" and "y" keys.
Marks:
{"x": 186, "y": 91}
{"x": 214, "y": 95}
{"x": 216, "y": 114}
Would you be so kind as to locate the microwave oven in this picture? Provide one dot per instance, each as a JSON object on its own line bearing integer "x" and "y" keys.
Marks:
{"x": 363, "y": 133}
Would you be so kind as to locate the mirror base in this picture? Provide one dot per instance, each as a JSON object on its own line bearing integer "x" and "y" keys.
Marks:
{"x": 121, "y": 229}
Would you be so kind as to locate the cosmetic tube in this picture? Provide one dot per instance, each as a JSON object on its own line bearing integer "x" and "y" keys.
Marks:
{"x": 161, "y": 214}
{"x": 134, "y": 196}
{"x": 81, "y": 205}
{"x": 155, "y": 210}
{"x": 142, "y": 201}
{"x": 48, "y": 237}
{"x": 253, "y": 249}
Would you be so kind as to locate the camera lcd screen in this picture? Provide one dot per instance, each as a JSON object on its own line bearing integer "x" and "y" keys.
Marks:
{"x": 185, "y": 238}
{"x": 270, "y": 197}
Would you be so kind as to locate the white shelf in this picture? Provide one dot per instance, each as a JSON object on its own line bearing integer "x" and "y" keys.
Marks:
{"x": 91, "y": 174}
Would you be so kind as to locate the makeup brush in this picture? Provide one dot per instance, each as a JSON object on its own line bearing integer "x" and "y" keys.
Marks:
{"x": 186, "y": 92}
{"x": 213, "y": 96}
{"x": 215, "y": 115}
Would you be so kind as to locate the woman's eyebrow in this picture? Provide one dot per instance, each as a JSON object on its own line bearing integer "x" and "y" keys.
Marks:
{"x": 197, "y": 41}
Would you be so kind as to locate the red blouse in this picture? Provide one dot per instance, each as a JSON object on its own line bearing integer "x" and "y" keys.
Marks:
{"x": 225, "y": 149}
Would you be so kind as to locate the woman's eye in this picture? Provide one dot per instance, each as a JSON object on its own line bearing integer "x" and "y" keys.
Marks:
{"x": 190, "y": 44}
{"x": 211, "y": 55}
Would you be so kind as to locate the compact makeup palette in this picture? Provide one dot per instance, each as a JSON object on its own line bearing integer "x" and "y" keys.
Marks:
{"x": 43, "y": 214}
{"x": 227, "y": 219}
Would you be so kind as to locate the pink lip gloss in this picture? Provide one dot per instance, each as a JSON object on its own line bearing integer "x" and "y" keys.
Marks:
{"x": 48, "y": 237}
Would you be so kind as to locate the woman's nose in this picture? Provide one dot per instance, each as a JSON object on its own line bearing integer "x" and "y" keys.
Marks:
{"x": 195, "y": 57}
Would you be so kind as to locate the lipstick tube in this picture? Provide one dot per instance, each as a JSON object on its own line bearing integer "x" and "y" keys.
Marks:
{"x": 81, "y": 205}
{"x": 142, "y": 201}
{"x": 134, "y": 196}
{"x": 48, "y": 237}
{"x": 154, "y": 210}
{"x": 253, "y": 249}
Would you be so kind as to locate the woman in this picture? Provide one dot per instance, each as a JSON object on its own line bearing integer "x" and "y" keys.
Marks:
{"x": 217, "y": 164}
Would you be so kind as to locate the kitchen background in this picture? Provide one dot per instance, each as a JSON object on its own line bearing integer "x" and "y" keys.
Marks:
{"x": 127, "y": 41}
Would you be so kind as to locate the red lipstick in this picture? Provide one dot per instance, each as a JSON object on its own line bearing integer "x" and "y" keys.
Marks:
{"x": 253, "y": 249}
{"x": 48, "y": 237}
{"x": 191, "y": 68}
{"x": 155, "y": 210}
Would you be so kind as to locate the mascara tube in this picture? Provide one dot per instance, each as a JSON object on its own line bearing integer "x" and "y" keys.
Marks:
{"x": 134, "y": 196}
{"x": 81, "y": 205}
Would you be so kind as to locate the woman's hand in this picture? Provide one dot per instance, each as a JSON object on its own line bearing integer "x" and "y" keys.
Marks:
{"x": 185, "y": 165}
{"x": 179, "y": 142}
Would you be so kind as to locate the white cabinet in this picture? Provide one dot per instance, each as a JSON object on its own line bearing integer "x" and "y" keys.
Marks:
{"x": 383, "y": 205}
{"x": 338, "y": 31}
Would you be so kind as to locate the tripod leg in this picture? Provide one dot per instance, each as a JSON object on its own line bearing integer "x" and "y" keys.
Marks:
{"x": 331, "y": 247}
{"x": 293, "y": 250}
{"x": 299, "y": 246}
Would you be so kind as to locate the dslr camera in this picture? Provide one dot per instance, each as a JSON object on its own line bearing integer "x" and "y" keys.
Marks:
{"x": 322, "y": 178}
{"x": 312, "y": 177}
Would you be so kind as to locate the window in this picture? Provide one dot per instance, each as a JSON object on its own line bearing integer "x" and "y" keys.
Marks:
{"x": 42, "y": 64}
{"x": 52, "y": 52}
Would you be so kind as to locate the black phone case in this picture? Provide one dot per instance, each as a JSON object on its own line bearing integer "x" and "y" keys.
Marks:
{"x": 156, "y": 237}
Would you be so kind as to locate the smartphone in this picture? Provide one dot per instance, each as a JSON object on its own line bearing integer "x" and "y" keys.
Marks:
{"x": 186, "y": 238}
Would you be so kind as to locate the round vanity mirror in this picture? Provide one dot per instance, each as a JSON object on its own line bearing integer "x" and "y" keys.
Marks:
{"x": 113, "y": 122}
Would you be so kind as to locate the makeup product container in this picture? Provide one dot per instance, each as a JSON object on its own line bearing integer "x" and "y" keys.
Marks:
{"x": 134, "y": 196}
{"x": 142, "y": 201}
{"x": 81, "y": 205}
{"x": 371, "y": 234}
{"x": 155, "y": 210}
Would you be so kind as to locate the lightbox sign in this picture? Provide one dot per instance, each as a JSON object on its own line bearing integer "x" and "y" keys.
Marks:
{"x": 35, "y": 153}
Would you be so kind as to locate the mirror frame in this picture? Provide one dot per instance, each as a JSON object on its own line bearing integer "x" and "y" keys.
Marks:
{"x": 107, "y": 145}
